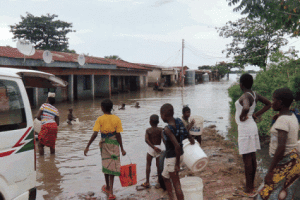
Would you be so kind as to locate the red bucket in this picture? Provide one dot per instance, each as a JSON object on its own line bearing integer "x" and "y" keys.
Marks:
{"x": 128, "y": 175}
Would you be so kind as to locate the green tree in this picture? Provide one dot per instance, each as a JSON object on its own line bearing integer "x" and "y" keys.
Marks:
{"x": 114, "y": 57}
{"x": 44, "y": 32}
{"x": 204, "y": 67}
{"x": 282, "y": 14}
{"x": 253, "y": 40}
{"x": 223, "y": 68}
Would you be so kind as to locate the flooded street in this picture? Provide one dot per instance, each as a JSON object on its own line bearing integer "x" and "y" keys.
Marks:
{"x": 69, "y": 174}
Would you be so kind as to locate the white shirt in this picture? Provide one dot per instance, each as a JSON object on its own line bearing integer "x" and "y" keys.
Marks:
{"x": 288, "y": 123}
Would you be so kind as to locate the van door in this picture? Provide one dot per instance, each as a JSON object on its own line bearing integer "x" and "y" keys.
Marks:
{"x": 17, "y": 155}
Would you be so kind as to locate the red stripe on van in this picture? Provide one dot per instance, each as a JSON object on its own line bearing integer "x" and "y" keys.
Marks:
{"x": 6, "y": 153}
{"x": 19, "y": 142}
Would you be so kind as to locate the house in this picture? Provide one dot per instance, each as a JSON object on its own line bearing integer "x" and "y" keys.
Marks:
{"x": 174, "y": 75}
{"x": 154, "y": 74}
{"x": 128, "y": 76}
{"x": 98, "y": 77}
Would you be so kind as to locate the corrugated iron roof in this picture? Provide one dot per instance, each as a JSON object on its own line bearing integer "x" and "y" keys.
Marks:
{"x": 150, "y": 66}
{"x": 125, "y": 64}
{"x": 10, "y": 52}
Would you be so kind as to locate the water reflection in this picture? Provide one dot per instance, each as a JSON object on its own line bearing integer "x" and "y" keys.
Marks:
{"x": 49, "y": 175}
{"x": 70, "y": 173}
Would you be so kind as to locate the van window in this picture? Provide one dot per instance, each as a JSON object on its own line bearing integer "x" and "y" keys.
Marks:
{"x": 12, "y": 113}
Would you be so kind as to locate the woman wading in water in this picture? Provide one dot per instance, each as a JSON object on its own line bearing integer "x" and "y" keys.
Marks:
{"x": 49, "y": 116}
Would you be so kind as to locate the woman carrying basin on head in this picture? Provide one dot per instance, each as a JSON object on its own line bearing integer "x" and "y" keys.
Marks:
{"x": 49, "y": 116}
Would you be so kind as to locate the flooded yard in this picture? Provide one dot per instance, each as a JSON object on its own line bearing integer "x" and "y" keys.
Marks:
{"x": 69, "y": 173}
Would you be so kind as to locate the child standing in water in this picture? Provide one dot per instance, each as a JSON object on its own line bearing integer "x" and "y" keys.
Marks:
{"x": 71, "y": 117}
{"x": 174, "y": 133}
{"x": 153, "y": 138}
{"x": 248, "y": 139}
{"x": 110, "y": 127}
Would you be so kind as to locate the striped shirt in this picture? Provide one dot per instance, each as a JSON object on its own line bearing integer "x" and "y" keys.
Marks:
{"x": 49, "y": 113}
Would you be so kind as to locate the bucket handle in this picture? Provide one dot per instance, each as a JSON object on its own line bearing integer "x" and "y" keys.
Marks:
{"x": 128, "y": 157}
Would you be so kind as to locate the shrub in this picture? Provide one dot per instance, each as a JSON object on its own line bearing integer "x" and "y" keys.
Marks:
{"x": 283, "y": 73}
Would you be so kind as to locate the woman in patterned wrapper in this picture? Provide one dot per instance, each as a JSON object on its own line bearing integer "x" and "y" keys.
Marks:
{"x": 284, "y": 171}
{"x": 49, "y": 117}
{"x": 110, "y": 127}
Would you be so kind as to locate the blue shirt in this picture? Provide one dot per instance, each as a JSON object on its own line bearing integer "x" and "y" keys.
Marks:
{"x": 180, "y": 134}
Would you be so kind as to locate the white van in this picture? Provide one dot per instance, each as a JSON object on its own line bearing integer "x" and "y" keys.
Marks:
{"x": 17, "y": 144}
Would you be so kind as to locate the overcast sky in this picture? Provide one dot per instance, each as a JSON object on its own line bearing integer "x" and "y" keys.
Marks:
{"x": 139, "y": 31}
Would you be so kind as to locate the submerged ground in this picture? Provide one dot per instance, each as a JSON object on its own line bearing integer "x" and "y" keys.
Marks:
{"x": 71, "y": 175}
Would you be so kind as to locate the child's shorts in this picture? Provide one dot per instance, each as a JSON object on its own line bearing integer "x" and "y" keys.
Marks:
{"x": 169, "y": 166}
{"x": 152, "y": 152}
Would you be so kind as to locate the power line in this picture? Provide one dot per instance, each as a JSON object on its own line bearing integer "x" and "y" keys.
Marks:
{"x": 176, "y": 53}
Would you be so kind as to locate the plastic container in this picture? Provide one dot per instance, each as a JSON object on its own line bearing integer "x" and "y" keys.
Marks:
{"x": 192, "y": 188}
{"x": 197, "y": 129}
{"x": 194, "y": 157}
{"x": 37, "y": 125}
{"x": 128, "y": 175}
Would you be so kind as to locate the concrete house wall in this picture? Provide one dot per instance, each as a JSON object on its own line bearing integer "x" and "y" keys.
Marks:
{"x": 101, "y": 86}
{"x": 81, "y": 92}
{"x": 153, "y": 76}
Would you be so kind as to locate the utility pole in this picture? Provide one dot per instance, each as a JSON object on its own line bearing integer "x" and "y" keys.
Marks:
{"x": 182, "y": 79}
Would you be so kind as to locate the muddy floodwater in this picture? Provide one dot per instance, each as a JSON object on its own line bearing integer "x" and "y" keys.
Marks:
{"x": 69, "y": 174}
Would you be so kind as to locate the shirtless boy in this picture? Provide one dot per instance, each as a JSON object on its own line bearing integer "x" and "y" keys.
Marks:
{"x": 70, "y": 116}
{"x": 153, "y": 138}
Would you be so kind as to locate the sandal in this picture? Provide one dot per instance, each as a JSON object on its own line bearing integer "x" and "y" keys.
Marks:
{"x": 111, "y": 196}
{"x": 104, "y": 189}
{"x": 244, "y": 194}
{"x": 157, "y": 186}
{"x": 145, "y": 185}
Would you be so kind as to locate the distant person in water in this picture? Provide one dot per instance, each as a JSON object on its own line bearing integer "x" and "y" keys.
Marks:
{"x": 153, "y": 138}
{"x": 71, "y": 117}
{"x": 122, "y": 107}
{"x": 137, "y": 105}
{"x": 248, "y": 139}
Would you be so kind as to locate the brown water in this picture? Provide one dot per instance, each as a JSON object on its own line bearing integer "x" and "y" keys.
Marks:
{"x": 69, "y": 174}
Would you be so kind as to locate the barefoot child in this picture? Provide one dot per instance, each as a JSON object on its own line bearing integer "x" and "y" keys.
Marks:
{"x": 153, "y": 138}
{"x": 110, "y": 127}
{"x": 174, "y": 133}
{"x": 248, "y": 139}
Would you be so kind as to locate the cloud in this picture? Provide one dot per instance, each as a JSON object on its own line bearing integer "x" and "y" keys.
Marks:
{"x": 162, "y": 2}
{"x": 82, "y": 31}
{"x": 6, "y": 35}
{"x": 74, "y": 39}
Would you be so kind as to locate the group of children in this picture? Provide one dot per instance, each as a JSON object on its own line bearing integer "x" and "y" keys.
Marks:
{"x": 172, "y": 135}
